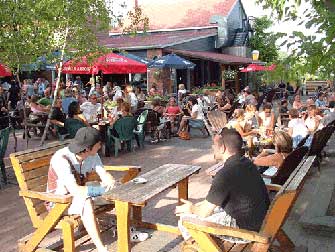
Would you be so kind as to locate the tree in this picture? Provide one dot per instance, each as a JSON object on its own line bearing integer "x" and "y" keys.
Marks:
{"x": 264, "y": 41}
{"x": 315, "y": 51}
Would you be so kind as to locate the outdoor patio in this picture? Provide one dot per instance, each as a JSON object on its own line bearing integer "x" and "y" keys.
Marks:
{"x": 16, "y": 223}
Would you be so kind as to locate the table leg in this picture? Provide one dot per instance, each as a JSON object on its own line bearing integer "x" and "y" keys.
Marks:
{"x": 183, "y": 190}
{"x": 123, "y": 224}
{"x": 137, "y": 214}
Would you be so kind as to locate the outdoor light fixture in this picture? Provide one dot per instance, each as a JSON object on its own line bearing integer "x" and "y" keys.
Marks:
{"x": 255, "y": 55}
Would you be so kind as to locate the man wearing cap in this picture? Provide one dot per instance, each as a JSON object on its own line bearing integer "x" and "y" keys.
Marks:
{"x": 81, "y": 157}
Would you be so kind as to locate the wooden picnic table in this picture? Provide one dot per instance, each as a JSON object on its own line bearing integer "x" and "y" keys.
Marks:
{"x": 135, "y": 196}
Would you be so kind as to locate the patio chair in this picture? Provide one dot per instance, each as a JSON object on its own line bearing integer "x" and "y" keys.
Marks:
{"x": 139, "y": 131}
{"x": 124, "y": 128}
{"x": 4, "y": 136}
{"x": 290, "y": 163}
{"x": 72, "y": 125}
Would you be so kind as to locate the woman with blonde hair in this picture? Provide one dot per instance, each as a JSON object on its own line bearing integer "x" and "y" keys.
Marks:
{"x": 283, "y": 146}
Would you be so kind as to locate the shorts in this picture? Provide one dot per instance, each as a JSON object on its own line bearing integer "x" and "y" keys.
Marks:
{"x": 196, "y": 123}
{"x": 219, "y": 216}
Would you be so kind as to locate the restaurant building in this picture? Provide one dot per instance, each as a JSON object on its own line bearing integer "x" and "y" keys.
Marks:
{"x": 212, "y": 34}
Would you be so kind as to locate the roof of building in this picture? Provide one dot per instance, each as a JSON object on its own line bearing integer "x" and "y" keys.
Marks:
{"x": 175, "y": 14}
{"x": 213, "y": 56}
{"x": 156, "y": 39}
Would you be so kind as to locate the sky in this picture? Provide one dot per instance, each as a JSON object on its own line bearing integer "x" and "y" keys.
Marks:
{"x": 252, "y": 9}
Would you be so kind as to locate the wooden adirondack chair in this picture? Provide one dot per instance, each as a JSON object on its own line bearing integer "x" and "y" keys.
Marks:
{"x": 31, "y": 170}
{"x": 203, "y": 232}
{"x": 217, "y": 119}
{"x": 290, "y": 163}
{"x": 319, "y": 141}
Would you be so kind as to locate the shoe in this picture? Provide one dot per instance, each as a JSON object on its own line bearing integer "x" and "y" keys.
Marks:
{"x": 137, "y": 236}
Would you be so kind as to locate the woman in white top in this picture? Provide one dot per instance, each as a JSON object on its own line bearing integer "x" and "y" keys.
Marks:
{"x": 296, "y": 127}
{"x": 131, "y": 98}
{"x": 313, "y": 120}
{"x": 266, "y": 118}
{"x": 196, "y": 120}
{"x": 117, "y": 93}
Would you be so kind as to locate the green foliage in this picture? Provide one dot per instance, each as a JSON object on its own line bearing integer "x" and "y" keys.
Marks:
{"x": 31, "y": 28}
{"x": 138, "y": 22}
{"x": 314, "y": 54}
{"x": 263, "y": 41}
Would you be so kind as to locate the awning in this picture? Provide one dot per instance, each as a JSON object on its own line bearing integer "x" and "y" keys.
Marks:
{"x": 110, "y": 63}
{"x": 213, "y": 56}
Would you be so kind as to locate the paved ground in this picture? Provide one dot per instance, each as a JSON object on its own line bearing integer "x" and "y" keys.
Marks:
{"x": 15, "y": 222}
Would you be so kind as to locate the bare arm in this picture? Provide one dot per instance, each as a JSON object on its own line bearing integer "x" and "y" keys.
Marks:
{"x": 201, "y": 209}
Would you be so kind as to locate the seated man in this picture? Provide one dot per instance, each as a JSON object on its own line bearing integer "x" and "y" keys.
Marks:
{"x": 91, "y": 108}
{"x": 58, "y": 117}
{"x": 237, "y": 197}
{"x": 67, "y": 168}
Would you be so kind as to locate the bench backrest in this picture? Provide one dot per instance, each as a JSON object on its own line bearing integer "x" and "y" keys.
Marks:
{"x": 285, "y": 198}
{"x": 217, "y": 119}
{"x": 31, "y": 170}
{"x": 320, "y": 139}
{"x": 290, "y": 163}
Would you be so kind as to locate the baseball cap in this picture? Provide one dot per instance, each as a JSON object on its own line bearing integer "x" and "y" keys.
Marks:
{"x": 85, "y": 137}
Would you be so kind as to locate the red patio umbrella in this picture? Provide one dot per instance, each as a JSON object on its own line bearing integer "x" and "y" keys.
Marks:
{"x": 271, "y": 68}
{"x": 74, "y": 67}
{"x": 4, "y": 71}
{"x": 253, "y": 68}
{"x": 110, "y": 63}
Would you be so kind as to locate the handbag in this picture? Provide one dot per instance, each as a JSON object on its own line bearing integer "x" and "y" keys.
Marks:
{"x": 184, "y": 135}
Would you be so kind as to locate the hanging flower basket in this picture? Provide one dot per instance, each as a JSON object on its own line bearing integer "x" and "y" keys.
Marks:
{"x": 157, "y": 74}
{"x": 229, "y": 74}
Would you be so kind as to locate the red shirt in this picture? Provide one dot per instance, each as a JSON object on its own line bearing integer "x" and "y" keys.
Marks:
{"x": 173, "y": 110}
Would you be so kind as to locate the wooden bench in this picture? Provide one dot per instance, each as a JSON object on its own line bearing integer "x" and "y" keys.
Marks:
{"x": 31, "y": 170}
{"x": 203, "y": 232}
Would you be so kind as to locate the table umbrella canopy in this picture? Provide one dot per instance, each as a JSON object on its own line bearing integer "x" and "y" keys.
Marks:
{"x": 134, "y": 57}
{"x": 4, "y": 71}
{"x": 110, "y": 63}
{"x": 253, "y": 68}
{"x": 171, "y": 61}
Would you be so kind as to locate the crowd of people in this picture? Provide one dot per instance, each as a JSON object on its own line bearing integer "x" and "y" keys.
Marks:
{"x": 237, "y": 197}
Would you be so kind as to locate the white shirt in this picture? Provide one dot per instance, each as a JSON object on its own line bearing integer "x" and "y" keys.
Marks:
{"x": 299, "y": 127}
{"x": 200, "y": 114}
{"x": 118, "y": 94}
{"x": 266, "y": 120}
{"x": 90, "y": 111}
{"x": 66, "y": 182}
{"x": 133, "y": 99}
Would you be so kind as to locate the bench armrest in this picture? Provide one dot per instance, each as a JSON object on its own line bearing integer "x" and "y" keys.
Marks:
{"x": 273, "y": 187}
{"x": 63, "y": 199}
{"x": 131, "y": 171}
{"x": 217, "y": 229}
{"x": 122, "y": 168}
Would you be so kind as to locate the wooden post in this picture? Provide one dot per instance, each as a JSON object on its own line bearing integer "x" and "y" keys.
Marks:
{"x": 237, "y": 82}
{"x": 183, "y": 190}
{"x": 223, "y": 83}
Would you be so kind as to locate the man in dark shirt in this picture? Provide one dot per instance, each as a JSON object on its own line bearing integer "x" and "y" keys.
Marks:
{"x": 238, "y": 196}
{"x": 57, "y": 117}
